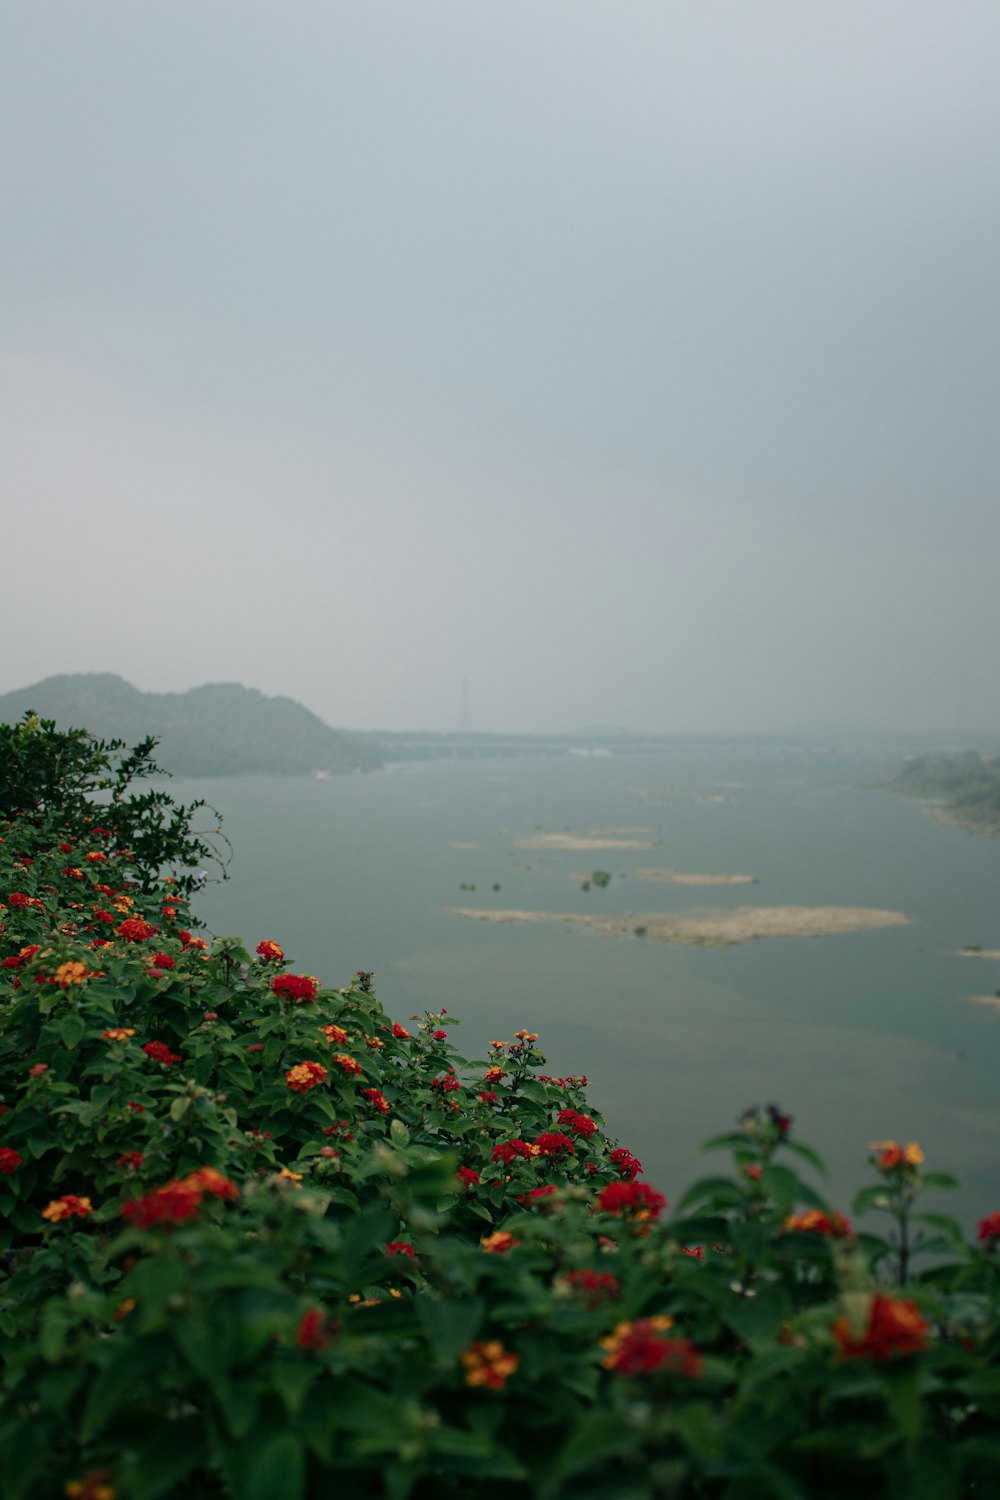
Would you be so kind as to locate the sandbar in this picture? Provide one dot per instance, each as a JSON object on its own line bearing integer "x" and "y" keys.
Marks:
{"x": 679, "y": 877}
{"x": 980, "y": 953}
{"x": 595, "y": 839}
{"x": 993, "y": 1000}
{"x": 718, "y": 927}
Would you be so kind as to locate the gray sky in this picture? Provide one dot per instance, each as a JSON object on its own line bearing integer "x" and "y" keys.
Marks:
{"x": 636, "y": 361}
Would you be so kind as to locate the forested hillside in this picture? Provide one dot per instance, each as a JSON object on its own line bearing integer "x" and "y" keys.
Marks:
{"x": 220, "y": 729}
{"x": 965, "y": 787}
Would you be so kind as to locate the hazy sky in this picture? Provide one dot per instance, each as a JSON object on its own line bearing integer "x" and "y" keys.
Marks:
{"x": 635, "y": 360}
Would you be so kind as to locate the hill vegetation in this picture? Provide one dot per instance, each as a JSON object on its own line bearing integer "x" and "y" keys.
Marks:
{"x": 261, "y": 1239}
{"x": 220, "y": 729}
{"x": 964, "y": 788}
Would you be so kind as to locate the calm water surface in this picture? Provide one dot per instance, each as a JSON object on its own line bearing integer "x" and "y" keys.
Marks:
{"x": 859, "y": 1037}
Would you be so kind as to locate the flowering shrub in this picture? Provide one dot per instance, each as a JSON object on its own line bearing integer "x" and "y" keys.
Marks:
{"x": 234, "y": 1269}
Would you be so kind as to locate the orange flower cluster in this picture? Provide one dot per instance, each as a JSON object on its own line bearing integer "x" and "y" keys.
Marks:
{"x": 348, "y": 1063}
{"x": 499, "y": 1242}
{"x": 305, "y": 1076}
{"x": 269, "y": 951}
{"x": 378, "y": 1099}
{"x": 813, "y": 1221}
{"x": 892, "y": 1157}
{"x": 489, "y": 1364}
{"x": 66, "y": 1207}
{"x": 894, "y": 1327}
{"x": 179, "y": 1200}
{"x": 93, "y": 1486}
{"x": 335, "y": 1035}
{"x": 70, "y": 973}
{"x": 118, "y": 1034}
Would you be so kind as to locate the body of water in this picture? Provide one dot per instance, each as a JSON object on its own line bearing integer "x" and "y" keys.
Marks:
{"x": 860, "y": 1036}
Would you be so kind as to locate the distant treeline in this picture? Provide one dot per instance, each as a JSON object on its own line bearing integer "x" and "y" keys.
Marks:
{"x": 966, "y": 786}
{"x": 221, "y": 729}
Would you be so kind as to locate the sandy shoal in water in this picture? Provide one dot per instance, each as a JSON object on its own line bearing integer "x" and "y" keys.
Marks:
{"x": 718, "y": 928}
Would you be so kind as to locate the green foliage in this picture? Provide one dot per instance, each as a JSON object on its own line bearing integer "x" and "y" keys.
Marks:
{"x": 260, "y": 1238}
{"x": 67, "y": 781}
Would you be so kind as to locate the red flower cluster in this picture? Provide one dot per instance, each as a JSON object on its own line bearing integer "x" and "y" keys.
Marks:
{"x": 294, "y": 987}
{"x": 628, "y": 1166}
{"x": 637, "y": 1349}
{"x": 400, "y": 1032}
{"x": 270, "y": 951}
{"x": 400, "y": 1247}
{"x": 131, "y": 1160}
{"x": 593, "y": 1287}
{"x": 446, "y": 1085}
{"x": 535, "y": 1194}
{"x": 989, "y": 1230}
{"x": 468, "y": 1176}
{"x": 161, "y": 1053}
{"x": 134, "y": 930}
{"x": 315, "y": 1329}
{"x": 17, "y": 960}
{"x": 305, "y": 1076}
{"x": 179, "y": 1200}
{"x": 509, "y": 1151}
{"x": 378, "y": 1099}
{"x": 551, "y": 1144}
{"x": 894, "y": 1327}
{"x": 632, "y": 1200}
{"x": 577, "y": 1124}
{"x": 9, "y": 1161}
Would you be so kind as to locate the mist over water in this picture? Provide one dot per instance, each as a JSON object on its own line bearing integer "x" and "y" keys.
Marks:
{"x": 859, "y": 1036}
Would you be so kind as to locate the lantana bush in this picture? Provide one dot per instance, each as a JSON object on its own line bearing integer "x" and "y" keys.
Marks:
{"x": 262, "y": 1238}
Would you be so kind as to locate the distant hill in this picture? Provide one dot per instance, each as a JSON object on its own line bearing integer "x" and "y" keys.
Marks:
{"x": 963, "y": 789}
{"x": 221, "y": 729}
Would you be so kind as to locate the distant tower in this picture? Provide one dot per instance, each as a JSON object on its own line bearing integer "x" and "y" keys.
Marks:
{"x": 465, "y": 713}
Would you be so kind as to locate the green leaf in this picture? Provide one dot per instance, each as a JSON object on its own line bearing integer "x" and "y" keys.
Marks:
{"x": 809, "y": 1155}
{"x": 123, "y": 1382}
{"x": 938, "y": 1180}
{"x": 757, "y": 1319}
{"x": 276, "y": 1468}
{"x": 399, "y": 1133}
{"x": 180, "y": 1107}
{"x": 450, "y": 1326}
{"x": 903, "y": 1393}
{"x": 159, "y": 1464}
{"x": 722, "y": 1190}
{"x": 601, "y": 1436}
{"x": 876, "y": 1196}
{"x": 71, "y": 1029}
